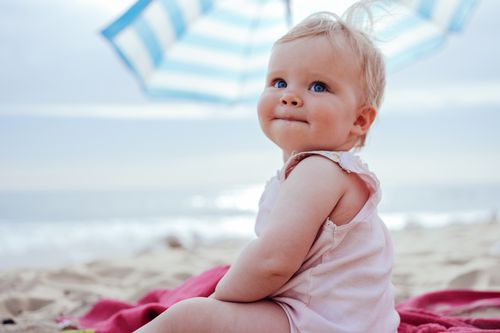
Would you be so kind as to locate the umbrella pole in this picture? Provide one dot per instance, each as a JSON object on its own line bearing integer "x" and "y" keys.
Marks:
{"x": 288, "y": 8}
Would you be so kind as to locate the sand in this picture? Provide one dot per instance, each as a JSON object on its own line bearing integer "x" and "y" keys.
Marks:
{"x": 456, "y": 256}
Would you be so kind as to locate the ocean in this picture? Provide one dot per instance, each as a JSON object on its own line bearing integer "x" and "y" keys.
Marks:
{"x": 77, "y": 189}
{"x": 64, "y": 227}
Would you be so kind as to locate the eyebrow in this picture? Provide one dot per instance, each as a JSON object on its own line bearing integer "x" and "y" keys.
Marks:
{"x": 275, "y": 73}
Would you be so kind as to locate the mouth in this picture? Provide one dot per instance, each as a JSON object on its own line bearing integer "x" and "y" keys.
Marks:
{"x": 290, "y": 119}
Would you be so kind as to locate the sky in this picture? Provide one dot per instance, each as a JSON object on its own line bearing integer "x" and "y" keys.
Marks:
{"x": 73, "y": 118}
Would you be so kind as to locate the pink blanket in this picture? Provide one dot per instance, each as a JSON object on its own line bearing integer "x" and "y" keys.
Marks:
{"x": 441, "y": 311}
{"x": 450, "y": 311}
{"x": 113, "y": 316}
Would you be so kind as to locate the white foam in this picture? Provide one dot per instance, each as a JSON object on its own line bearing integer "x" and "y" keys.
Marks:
{"x": 42, "y": 243}
{"x": 401, "y": 220}
{"x": 195, "y": 219}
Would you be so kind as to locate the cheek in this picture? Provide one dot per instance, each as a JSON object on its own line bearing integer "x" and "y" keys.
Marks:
{"x": 323, "y": 114}
{"x": 265, "y": 107}
{"x": 328, "y": 121}
{"x": 263, "y": 112}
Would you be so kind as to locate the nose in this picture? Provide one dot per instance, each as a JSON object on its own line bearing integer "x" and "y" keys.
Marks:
{"x": 291, "y": 99}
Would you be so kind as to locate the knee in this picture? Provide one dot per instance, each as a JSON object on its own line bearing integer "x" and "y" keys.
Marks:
{"x": 192, "y": 312}
{"x": 189, "y": 305}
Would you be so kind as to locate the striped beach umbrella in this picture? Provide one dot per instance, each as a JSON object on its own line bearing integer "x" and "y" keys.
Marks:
{"x": 216, "y": 51}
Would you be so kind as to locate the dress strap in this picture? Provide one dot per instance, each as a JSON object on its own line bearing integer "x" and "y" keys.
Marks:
{"x": 295, "y": 158}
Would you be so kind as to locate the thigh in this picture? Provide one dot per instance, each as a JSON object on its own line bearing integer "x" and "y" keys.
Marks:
{"x": 207, "y": 315}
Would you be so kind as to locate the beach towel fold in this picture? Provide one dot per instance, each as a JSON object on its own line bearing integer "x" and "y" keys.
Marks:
{"x": 113, "y": 316}
{"x": 441, "y": 311}
{"x": 450, "y": 311}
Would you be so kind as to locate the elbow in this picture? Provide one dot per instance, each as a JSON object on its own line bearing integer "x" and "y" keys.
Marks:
{"x": 275, "y": 271}
{"x": 277, "y": 266}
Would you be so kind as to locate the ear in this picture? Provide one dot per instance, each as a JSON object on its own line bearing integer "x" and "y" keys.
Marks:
{"x": 364, "y": 120}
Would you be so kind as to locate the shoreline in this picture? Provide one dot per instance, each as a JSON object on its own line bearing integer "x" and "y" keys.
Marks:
{"x": 79, "y": 241}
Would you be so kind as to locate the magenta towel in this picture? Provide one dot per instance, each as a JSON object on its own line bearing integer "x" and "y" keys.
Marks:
{"x": 113, "y": 316}
{"x": 449, "y": 311}
{"x": 434, "y": 312}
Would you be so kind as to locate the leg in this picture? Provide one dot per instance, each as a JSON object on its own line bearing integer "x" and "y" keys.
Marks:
{"x": 208, "y": 315}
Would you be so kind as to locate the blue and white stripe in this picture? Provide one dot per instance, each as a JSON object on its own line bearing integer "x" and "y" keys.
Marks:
{"x": 217, "y": 50}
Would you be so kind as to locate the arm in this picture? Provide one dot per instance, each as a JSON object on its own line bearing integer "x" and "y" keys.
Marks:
{"x": 305, "y": 200}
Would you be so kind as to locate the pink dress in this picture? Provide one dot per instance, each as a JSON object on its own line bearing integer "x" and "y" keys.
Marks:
{"x": 344, "y": 284}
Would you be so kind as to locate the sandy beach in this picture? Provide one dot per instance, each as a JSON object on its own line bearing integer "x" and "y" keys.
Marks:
{"x": 456, "y": 256}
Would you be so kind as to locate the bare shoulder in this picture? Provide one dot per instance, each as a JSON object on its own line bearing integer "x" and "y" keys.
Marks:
{"x": 348, "y": 190}
{"x": 317, "y": 169}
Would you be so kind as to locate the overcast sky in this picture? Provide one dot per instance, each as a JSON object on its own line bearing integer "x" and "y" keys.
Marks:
{"x": 52, "y": 53}
{"x": 443, "y": 109}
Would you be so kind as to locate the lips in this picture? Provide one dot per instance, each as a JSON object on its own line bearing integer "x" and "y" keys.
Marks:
{"x": 289, "y": 116}
{"x": 291, "y": 119}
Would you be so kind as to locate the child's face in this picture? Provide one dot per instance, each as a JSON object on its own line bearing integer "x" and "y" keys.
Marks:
{"x": 311, "y": 98}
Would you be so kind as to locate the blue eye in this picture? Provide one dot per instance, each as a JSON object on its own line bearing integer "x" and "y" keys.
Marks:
{"x": 279, "y": 84}
{"x": 318, "y": 87}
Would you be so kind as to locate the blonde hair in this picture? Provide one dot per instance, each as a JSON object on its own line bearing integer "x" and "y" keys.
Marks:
{"x": 339, "y": 30}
